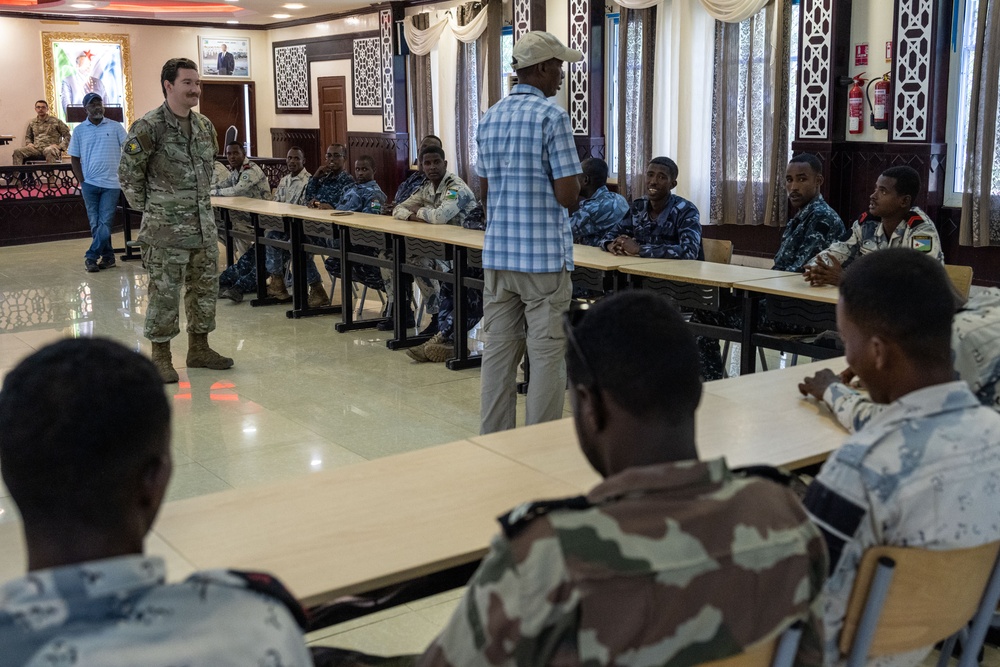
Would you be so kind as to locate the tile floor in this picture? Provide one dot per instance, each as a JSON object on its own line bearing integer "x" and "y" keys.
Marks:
{"x": 300, "y": 398}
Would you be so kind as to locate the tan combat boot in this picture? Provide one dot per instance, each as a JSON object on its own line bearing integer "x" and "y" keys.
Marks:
{"x": 164, "y": 364}
{"x": 318, "y": 296}
{"x": 276, "y": 288}
{"x": 200, "y": 355}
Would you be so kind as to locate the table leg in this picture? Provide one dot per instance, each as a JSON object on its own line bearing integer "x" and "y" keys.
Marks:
{"x": 751, "y": 310}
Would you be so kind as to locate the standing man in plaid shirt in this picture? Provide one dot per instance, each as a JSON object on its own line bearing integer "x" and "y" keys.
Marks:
{"x": 529, "y": 165}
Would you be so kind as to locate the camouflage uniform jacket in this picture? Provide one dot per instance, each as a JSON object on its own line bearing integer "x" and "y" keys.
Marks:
{"x": 364, "y": 197}
{"x": 248, "y": 180}
{"x": 119, "y": 612}
{"x": 975, "y": 347}
{"x": 328, "y": 188}
{"x": 168, "y": 177}
{"x": 598, "y": 214}
{"x": 642, "y": 571}
{"x": 674, "y": 234}
{"x": 915, "y": 231}
{"x": 409, "y": 186}
{"x": 448, "y": 204}
{"x": 292, "y": 189}
{"x": 925, "y": 472}
{"x": 813, "y": 229}
{"x": 46, "y": 132}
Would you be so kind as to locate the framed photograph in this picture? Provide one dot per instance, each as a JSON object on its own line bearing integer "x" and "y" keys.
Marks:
{"x": 224, "y": 56}
{"x": 77, "y": 63}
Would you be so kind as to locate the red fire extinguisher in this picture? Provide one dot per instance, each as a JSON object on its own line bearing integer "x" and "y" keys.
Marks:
{"x": 880, "y": 107}
{"x": 856, "y": 106}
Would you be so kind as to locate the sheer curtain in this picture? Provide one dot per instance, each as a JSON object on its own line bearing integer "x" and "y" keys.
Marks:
{"x": 637, "y": 47}
{"x": 980, "y": 224}
{"x": 750, "y": 118}
{"x": 421, "y": 95}
{"x": 469, "y": 77}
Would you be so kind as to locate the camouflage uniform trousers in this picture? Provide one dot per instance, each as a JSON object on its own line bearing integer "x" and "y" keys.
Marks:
{"x": 169, "y": 268}
{"x": 51, "y": 154}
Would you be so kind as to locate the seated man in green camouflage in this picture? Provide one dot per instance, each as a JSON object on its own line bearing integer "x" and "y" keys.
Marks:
{"x": 670, "y": 558}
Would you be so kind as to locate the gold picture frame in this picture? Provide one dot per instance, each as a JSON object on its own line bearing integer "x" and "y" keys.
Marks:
{"x": 76, "y": 63}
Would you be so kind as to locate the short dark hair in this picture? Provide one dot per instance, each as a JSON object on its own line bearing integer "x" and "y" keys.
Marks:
{"x": 641, "y": 352}
{"x": 296, "y": 148}
{"x": 595, "y": 169}
{"x": 434, "y": 137}
{"x": 907, "y": 180}
{"x": 170, "y": 68}
{"x": 75, "y": 417}
{"x": 41, "y": 102}
{"x": 367, "y": 159}
{"x": 902, "y": 295}
{"x": 431, "y": 150}
{"x": 668, "y": 163}
{"x": 809, "y": 159}
{"x": 237, "y": 144}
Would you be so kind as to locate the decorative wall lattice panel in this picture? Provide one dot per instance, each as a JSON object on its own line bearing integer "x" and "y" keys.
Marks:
{"x": 816, "y": 69}
{"x": 522, "y": 18}
{"x": 579, "y": 73}
{"x": 913, "y": 69}
{"x": 388, "y": 95}
{"x": 366, "y": 71}
{"x": 291, "y": 78}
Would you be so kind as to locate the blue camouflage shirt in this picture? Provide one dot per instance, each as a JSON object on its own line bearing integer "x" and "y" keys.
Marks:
{"x": 597, "y": 215}
{"x": 328, "y": 188}
{"x": 409, "y": 186}
{"x": 813, "y": 229}
{"x": 674, "y": 234}
{"x": 364, "y": 197}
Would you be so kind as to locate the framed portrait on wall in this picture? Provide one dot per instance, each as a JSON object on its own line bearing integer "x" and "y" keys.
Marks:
{"x": 78, "y": 63}
{"x": 224, "y": 56}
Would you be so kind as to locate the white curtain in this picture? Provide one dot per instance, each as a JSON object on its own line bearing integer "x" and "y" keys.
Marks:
{"x": 422, "y": 42}
{"x": 728, "y": 11}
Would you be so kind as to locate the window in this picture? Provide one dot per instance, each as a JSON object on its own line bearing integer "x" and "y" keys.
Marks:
{"x": 506, "y": 53}
{"x": 793, "y": 72}
{"x": 964, "y": 93}
{"x": 611, "y": 76}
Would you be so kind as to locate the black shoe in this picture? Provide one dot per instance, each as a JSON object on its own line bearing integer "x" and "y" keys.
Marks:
{"x": 432, "y": 326}
{"x": 107, "y": 263}
{"x": 390, "y": 324}
{"x": 232, "y": 294}
{"x": 91, "y": 266}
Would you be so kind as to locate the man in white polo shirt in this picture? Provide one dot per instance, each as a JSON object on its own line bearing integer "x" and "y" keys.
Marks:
{"x": 95, "y": 150}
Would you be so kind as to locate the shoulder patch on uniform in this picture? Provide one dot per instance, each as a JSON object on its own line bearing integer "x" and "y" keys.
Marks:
{"x": 914, "y": 220}
{"x": 863, "y": 217}
{"x": 261, "y": 582}
{"x": 518, "y": 518}
{"x": 452, "y": 193}
{"x": 922, "y": 242}
{"x": 133, "y": 146}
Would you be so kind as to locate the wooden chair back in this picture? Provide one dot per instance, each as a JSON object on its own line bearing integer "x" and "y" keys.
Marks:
{"x": 718, "y": 251}
{"x": 931, "y": 596}
{"x": 961, "y": 278}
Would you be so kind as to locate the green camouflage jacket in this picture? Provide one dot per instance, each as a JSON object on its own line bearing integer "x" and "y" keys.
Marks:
{"x": 168, "y": 177}
{"x": 46, "y": 132}
{"x": 666, "y": 565}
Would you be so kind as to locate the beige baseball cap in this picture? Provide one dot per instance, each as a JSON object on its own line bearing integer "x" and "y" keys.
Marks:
{"x": 536, "y": 47}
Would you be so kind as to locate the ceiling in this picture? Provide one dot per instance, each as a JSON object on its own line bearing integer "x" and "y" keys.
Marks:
{"x": 221, "y": 12}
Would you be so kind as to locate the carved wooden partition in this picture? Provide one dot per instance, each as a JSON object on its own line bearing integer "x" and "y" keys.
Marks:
{"x": 389, "y": 150}
{"x": 283, "y": 138}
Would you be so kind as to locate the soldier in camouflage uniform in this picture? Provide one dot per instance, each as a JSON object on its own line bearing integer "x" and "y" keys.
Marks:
{"x": 892, "y": 221}
{"x": 166, "y": 172}
{"x": 46, "y": 137}
{"x": 670, "y": 561}
{"x": 975, "y": 348}
{"x": 925, "y": 472}
{"x": 415, "y": 179}
{"x": 88, "y": 495}
{"x": 601, "y": 210}
{"x": 245, "y": 179}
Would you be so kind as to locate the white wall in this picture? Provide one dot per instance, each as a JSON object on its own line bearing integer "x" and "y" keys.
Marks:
{"x": 871, "y": 22}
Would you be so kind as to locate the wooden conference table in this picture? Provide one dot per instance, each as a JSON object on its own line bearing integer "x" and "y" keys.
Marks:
{"x": 430, "y": 513}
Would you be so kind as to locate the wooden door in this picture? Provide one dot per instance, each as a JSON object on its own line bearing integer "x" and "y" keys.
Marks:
{"x": 332, "y": 93}
{"x": 225, "y": 104}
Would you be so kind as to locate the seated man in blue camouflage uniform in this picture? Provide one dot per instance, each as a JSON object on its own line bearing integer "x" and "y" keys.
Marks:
{"x": 443, "y": 199}
{"x": 674, "y": 559}
{"x": 245, "y": 179}
{"x": 600, "y": 209}
{"x": 814, "y": 228}
{"x": 892, "y": 221}
{"x": 922, "y": 473}
{"x": 661, "y": 224}
{"x": 975, "y": 351}
{"x": 415, "y": 178}
{"x": 88, "y": 495}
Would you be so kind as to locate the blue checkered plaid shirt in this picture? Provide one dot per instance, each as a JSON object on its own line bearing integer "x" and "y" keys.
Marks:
{"x": 525, "y": 143}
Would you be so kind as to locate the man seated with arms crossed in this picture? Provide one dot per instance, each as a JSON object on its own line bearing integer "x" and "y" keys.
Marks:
{"x": 975, "y": 351}
{"x": 246, "y": 179}
{"x": 88, "y": 496}
{"x": 328, "y": 184}
{"x": 415, "y": 178}
{"x": 291, "y": 190}
{"x": 923, "y": 472}
{"x": 670, "y": 558}
{"x": 661, "y": 224}
{"x": 600, "y": 210}
{"x": 892, "y": 221}
{"x": 443, "y": 199}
